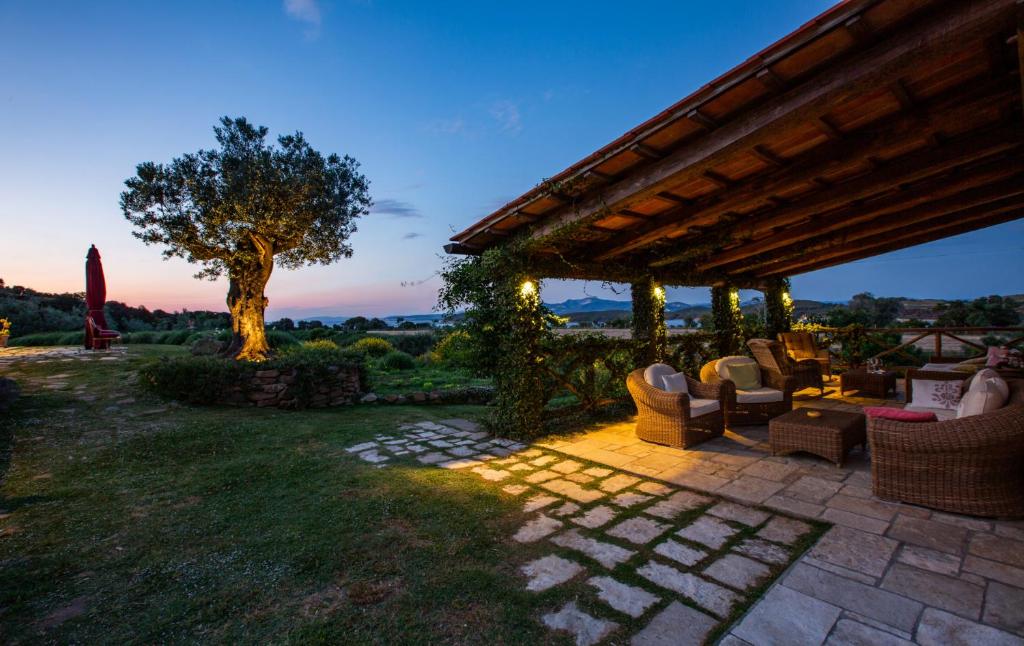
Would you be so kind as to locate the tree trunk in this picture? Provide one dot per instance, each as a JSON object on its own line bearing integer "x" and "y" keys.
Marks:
{"x": 246, "y": 302}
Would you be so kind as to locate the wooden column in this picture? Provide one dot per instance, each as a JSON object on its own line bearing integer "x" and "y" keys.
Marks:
{"x": 778, "y": 307}
{"x": 649, "y": 332}
{"x": 520, "y": 393}
{"x": 727, "y": 318}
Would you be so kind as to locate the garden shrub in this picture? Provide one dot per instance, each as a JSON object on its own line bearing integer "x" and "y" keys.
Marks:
{"x": 372, "y": 346}
{"x": 279, "y": 340}
{"x": 176, "y": 337}
{"x": 397, "y": 360}
{"x": 319, "y": 344}
{"x": 455, "y": 350}
{"x": 414, "y": 344}
{"x": 48, "y": 338}
{"x": 210, "y": 379}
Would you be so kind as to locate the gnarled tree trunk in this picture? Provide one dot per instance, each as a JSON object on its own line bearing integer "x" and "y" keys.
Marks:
{"x": 246, "y": 302}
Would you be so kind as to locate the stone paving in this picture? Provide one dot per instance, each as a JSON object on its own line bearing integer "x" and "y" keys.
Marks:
{"x": 885, "y": 573}
{"x": 652, "y": 563}
{"x": 10, "y": 356}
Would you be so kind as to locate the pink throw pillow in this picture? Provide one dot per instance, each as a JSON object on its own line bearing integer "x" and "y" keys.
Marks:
{"x": 899, "y": 414}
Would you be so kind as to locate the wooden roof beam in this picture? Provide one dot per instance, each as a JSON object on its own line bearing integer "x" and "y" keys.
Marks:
{"x": 853, "y": 215}
{"x": 901, "y": 241}
{"x": 906, "y": 170}
{"x": 955, "y": 107}
{"x": 984, "y": 199}
{"x": 951, "y": 26}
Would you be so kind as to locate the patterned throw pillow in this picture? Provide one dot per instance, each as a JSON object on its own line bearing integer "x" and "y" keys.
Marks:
{"x": 938, "y": 393}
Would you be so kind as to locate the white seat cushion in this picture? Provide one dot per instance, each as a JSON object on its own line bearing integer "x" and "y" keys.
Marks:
{"x": 700, "y": 407}
{"x": 942, "y": 414}
{"x": 654, "y": 373}
{"x": 723, "y": 364}
{"x": 938, "y": 367}
{"x": 762, "y": 395}
{"x": 989, "y": 378}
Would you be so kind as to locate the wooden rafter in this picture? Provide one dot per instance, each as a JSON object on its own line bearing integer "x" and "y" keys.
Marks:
{"x": 902, "y": 129}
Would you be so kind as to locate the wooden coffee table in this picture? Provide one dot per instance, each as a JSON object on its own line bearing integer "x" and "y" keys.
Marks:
{"x": 874, "y": 384}
{"x": 831, "y": 435}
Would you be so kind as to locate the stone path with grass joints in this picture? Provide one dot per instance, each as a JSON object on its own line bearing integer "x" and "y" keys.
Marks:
{"x": 621, "y": 557}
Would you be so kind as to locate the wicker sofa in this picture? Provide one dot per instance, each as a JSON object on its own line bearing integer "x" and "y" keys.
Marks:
{"x": 972, "y": 465}
{"x": 746, "y": 408}
{"x": 667, "y": 418}
{"x": 771, "y": 355}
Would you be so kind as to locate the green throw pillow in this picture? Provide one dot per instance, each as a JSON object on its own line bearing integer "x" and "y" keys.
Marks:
{"x": 746, "y": 376}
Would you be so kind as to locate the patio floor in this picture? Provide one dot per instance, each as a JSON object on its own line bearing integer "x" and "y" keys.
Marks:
{"x": 885, "y": 573}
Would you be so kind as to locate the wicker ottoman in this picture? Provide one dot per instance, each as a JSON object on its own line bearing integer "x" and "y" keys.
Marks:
{"x": 831, "y": 435}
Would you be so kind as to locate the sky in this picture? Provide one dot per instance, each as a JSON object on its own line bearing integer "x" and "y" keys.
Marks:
{"x": 452, "y": 108}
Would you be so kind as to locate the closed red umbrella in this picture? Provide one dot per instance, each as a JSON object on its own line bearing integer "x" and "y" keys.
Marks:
{"x": 96, "y": 335}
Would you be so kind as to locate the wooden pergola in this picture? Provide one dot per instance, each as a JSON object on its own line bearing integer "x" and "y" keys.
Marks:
{"x": 879, "y": 125}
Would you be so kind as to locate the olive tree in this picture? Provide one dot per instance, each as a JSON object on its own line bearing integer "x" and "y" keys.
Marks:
{"x": 238, "y": 209}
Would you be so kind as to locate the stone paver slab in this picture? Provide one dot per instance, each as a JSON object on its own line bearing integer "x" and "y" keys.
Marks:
{"x": 927, "y": 533}
{"x": 926, "y": 559}
{"x": 515, "y": 489}
{"x": 638, "y": 531}
{"x": 579, "y": 478}
{"x": 460, "y": 463}
{"x": 630, "y": 499}
{"x": 597, "y": 472}
{"x": 565, "y": 509}
{"x": 1004, "y": 607}
{"x": 812, "y": 489}
{"x": 785, "y": 616}
{"x": 763, "y": 551}
{"x": 572, "y": 490}
{"x": 676, "y": 504}
{"x": 739, "y": 513}
{"x": 784, "y": 530}
{"x": 586, "y": 630}
{"x": 998, "y": 548}
{"x": 855, "y": 550}
{"x": 566, "y": 466}
{"x": 618, "y": 482}
{"x": 992, "y": 570}
{"x": 544, "y": 460}
{"x": 676, "y": 624}
{"x": 750, "y": 489}
{"x": 853, "y": 633}
{"x": 549, "y": 571}
{"x": 939, "y": 628}
{"x": 710, "y": 596}
{"x": 627, "y": 599}
{"x": 538, "y": 501}
{"x": 868, "y": 601}
{"x": 606, "y": 554}
{"x": 536, "y": 529}
{"x": 680, "y": 553}
{"x": 654, "y": 488}
{"x": 595, "y": 517}
{"x": 707, "y": 530}
{"x": 434, "y": 458}
{"x": 737, "y": 571}
{"x": 935, "y": 590}
{"x": 540, "y": 476}
{"x": 493, "y": 475}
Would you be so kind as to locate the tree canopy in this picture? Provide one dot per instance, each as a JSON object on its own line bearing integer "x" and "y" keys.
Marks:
{"x": 239, "y": 209}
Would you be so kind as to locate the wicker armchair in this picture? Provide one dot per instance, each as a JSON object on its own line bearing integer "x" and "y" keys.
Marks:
{"x": 740, "y": 411}
{"x": 664, "y": 417}
{"x": 771, "y": 355}
{"x": 971, "y": 465}
{"x": 802, "y": 346}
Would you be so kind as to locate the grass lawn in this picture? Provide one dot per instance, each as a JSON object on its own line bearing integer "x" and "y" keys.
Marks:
{"x": 425, "y": 378}
{"x": 125, "y": 519}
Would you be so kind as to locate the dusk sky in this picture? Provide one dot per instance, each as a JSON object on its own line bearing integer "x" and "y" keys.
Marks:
{"x": 452, "y": 108}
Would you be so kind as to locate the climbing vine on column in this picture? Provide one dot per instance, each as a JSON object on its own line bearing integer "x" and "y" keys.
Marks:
{"x": 649, "y": 332}
{"x": 727, "y": 319}
{"x": 778, "y": 306}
